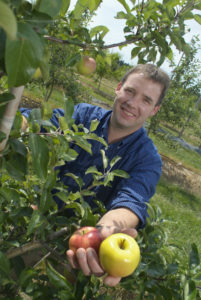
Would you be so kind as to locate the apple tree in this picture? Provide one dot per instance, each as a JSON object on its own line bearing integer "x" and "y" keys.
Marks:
{"x": 33, "y": 233}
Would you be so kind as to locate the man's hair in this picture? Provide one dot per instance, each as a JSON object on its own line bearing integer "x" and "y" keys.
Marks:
{"x": 153, "y": 73}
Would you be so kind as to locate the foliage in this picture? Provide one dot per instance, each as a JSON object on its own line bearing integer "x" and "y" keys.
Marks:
{"x": 152, "y": 28}
{"x": 180, "y": 103}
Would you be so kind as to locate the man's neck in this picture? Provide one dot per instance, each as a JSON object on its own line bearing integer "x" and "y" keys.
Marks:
{"x": 117, "y": 134}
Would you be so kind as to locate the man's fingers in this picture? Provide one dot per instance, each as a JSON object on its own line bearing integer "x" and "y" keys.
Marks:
{"x": 111, "y": 281}
{"x": 82, "y": 261}
{"x": 93, "y": 262}
{"x": 72, "y": 259}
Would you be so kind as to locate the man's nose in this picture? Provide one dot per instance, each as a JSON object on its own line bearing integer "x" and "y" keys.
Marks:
{"x": 134, "y": 100}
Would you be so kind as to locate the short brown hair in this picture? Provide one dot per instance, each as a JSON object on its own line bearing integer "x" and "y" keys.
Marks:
{"x": 153, "y": 73}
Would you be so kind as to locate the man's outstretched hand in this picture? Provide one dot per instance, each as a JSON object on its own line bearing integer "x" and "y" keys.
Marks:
{"x": 88, "y": 260}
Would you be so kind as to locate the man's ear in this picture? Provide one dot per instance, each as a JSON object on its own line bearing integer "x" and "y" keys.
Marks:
{"x": 155, "y": 110}
{"x": 119, "y": 85}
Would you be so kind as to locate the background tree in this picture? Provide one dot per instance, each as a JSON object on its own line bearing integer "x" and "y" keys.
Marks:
{"x": 179, "y": 106}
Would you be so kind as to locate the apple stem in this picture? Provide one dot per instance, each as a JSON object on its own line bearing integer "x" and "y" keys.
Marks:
{"x": 122, "y": 244}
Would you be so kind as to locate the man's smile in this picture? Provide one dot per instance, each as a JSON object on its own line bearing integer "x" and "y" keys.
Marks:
{"x": 127, "y": 112}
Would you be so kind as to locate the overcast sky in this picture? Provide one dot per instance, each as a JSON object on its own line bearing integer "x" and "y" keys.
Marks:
{"x": 105, "y": 16}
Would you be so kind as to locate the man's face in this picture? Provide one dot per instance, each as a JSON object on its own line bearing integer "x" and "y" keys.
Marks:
{"x": 135, "y": 101}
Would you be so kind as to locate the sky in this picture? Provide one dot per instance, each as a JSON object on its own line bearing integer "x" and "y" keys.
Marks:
{"x": 105, "y": 16}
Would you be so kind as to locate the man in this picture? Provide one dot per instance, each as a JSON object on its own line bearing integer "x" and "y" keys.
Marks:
{"x": 138, "y": 97}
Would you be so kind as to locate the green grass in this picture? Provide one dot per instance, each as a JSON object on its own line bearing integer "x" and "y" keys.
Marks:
{"x": 182, "y": 209}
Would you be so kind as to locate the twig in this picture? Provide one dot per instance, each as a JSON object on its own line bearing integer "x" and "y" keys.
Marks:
{"x": 85, "y": 46}
{"x": 13, "y": 252}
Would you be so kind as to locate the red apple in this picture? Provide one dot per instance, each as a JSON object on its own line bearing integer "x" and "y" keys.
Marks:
{"x": 86, "y": 65}
{"x": 85, "y": 237}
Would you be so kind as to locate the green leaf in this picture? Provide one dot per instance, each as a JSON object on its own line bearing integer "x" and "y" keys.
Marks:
{"x": 94, "y": 4}
{"x": 104, "y": 159}
{"x": 125, "y": 5}
{"x": 4, "y": 264}
{"x": 35, "y": 222}
{"x": 77, "y": 179}
{"x": 8, "y": 21}
{"x": 114, "y": 161}
{"x": 50, "y": 7}
{"x": 93, "y": 170}
{"x": 18, "y": 147}
{"x": 65, "y": 7}
{"x": 16, "y": 166}
{"x": 68, "y": 111}
{"x": 23, "y": 55}
{"x": 5, "y": 98}
{"x": 80, "y": 7}
{"x": 190, "y": 290}
{"x": 100, "y": 30}
{"x": 72, "y": 60}
{"x": 197, "y": 18}
{"x": 156, "y": 270}
{"x": 10, "y": 195}
{"x": 120, "y": 173}
{"x": 194, "y": 259}
{"x": 198, "y": 5}
{"x": 108, "y": 179}
{"x": 25, "y": 276}
{"x": 81, "y": 142}
{"x": 95, "y": 137}
{"x": 46, "y": 197}
{"x": 40, "y": 155}
{"x": 57, "y": 279}
{"x": 122, "y": 15}
{"x": 70, "y": 155}
{"x": 94, "y": 125}
{"x": 135, "y": 51}
{"x": 76, "y": 205}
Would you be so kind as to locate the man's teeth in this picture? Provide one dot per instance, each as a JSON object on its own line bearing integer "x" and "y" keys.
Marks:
{"x": 128, "y": 113}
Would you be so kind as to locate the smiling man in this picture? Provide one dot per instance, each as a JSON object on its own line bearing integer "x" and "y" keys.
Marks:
{"x": 138, "y": 97}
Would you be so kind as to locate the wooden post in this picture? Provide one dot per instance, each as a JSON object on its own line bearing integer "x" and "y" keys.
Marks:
{"x": 9, "y": 114}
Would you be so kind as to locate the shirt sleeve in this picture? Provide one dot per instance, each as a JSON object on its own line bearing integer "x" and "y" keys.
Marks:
{"x": 134, "y": 193}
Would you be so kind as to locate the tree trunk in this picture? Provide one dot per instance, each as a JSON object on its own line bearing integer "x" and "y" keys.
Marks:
{"x": 9, "y": 114}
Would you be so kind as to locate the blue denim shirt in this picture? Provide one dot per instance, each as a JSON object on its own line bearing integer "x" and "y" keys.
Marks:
{"x": 139, "y": 158}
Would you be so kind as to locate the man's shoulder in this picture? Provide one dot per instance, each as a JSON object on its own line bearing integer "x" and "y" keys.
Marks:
{"x": 88, "y": 112}
{"x": 148, "y": 147}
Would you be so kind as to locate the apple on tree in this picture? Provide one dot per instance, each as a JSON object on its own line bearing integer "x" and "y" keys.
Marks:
{"x": 119, "y": 255}
{"x": 86, "y": 65}
{"x": 85, "y": 237}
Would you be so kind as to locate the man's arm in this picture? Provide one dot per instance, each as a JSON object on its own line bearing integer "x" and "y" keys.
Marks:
{"x": 24, "y": 123}
{"x": 122, "y": 218}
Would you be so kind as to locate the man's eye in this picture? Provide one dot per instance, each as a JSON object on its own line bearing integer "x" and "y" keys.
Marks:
{"x": 130, "y": 91}
{"x": 147, "y": 100}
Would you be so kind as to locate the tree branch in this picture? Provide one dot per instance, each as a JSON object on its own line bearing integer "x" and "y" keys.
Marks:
{"x": 89, "y": 47}
{"x": 13, "y": 252}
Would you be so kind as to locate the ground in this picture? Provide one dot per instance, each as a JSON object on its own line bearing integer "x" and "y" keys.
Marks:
{"x": 177, "y": 173}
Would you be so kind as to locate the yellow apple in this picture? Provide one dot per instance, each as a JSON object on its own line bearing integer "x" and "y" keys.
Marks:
{"x": 86, "y": 65}
{"x": 119, "y": 255}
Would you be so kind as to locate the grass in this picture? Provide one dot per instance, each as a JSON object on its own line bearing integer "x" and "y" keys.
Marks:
{"x": 182, "y": 209}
